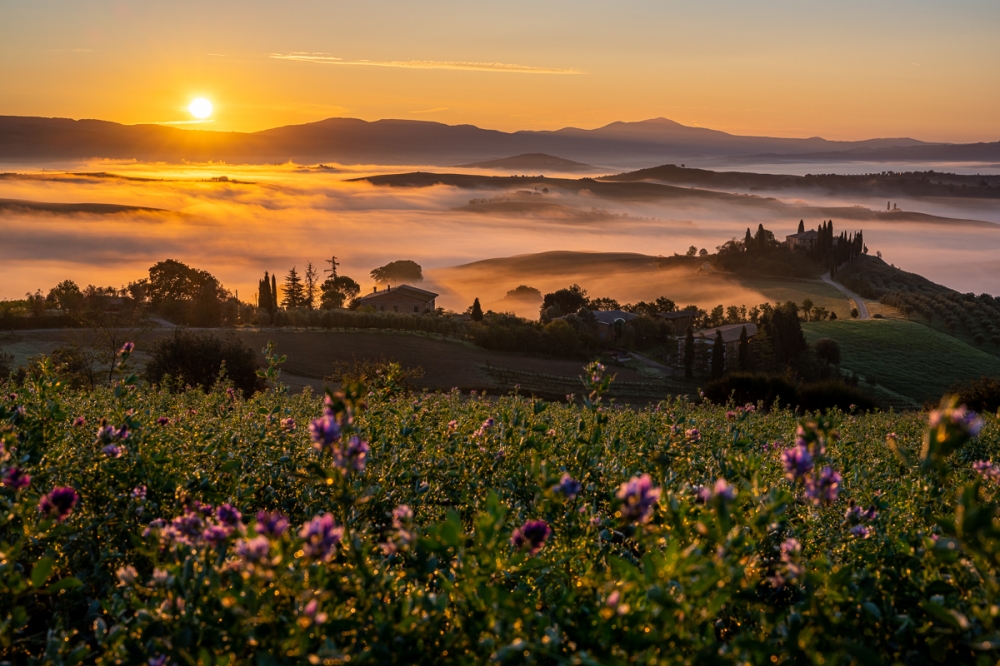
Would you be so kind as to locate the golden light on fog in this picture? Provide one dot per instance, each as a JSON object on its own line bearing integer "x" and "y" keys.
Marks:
{"x": 200, "y": 108}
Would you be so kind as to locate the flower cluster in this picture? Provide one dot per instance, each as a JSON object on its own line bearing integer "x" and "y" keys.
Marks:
{"x": 638, "y": 496}
{"x": 403, "y": 533}
{"x": 531, "y": 536}
{"x": 59, "y": 503}
{"x": 567, "y": 486}
{"x": 800, "y": 460}
{"x": 330, "y": 432}
{"x": 950, "y": 426}
{"x": 110, "y": 439}
{"x": 487, "y": 425}
{"x": 322, "y": 536}
{"x": 199, "y": 525}
{"x": 741, "y": 412}
{"x": 721, "y": 490}
{"x": 859, "y": 520}
{"x": 788, "y": 569}
{"x": 987, "y": 470}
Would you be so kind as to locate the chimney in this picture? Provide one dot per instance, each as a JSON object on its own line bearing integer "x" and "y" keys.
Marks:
{"x": 375, "y": 289}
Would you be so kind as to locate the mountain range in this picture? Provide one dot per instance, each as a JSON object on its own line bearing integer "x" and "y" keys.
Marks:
{"x": 354, "y": 141}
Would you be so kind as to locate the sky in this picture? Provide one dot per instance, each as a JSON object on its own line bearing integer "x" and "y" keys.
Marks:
{"x": 841, "y": 70}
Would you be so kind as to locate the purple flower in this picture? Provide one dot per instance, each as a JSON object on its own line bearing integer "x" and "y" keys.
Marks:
{"x": 531, "y": 536}
{"x": 59, "y": 503}
{"x": 568, "y": 486}
{"x": 693, "y": 435}
{"x": 825, "y": 488}
{"x": 322, "y": 536}
{"x": 253, "y": 550}
{"x": 614, "y": 602}
{"x": 228, "y": 515}
{"x": 402, "y": 516}
{"x": 487, "y": 424}
{"x": 702, "y": 494}
{"x": 987, "y": 470}
{"x": 139, "y": 493}
{"x": 288, "y": 424}
{"x": 638, "y": 496}
{"x": 724, "y": 490}
{"x": 312, "y": 613}
{"x": 16, "y": 478}
{"x": 862, "y": 531}
{"x": 158, "y": 660}
{"x": 353, "y": 457}
{"x": 79, "y": 421}
{"x": 797, "y": 462}
{"x": 855, "y": 514}
{"x": 324, "y": 432}
{"x": 163, "y": 420}
{"x": 113, "y": 451}
{"x": 216, "y": 534}
{"x": 127, "y": 348}
{"x": 231, "y": 393}
{"x": 271, "y": 525}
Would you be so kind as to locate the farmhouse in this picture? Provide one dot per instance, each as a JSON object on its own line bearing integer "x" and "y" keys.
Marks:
{"x": 606, "y": 321}
{"x": 680, "y": 320}
{"x": 403, "y": 298}
{"x": 802, "y": 241}
{"x": 730, "y": 338}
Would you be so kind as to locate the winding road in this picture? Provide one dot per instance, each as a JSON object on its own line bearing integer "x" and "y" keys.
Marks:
{"x": 859, "y": 302}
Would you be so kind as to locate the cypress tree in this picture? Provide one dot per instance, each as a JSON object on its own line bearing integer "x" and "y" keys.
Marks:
{"x": 274, "y": 293}
{"x": 476, "y": 311}
{"x": 718, "y": 356}
{"x": 802, "y": 226}
{"x": 744, "y": 350}
{"x": 689, "y": 353}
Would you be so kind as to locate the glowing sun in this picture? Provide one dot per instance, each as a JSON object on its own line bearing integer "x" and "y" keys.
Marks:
{"x": 200, "y": 108}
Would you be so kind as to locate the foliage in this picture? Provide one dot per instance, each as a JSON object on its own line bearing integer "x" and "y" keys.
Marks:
{"x": 198, "y": 359}
{"x": 476, "y": 311}
{"x": 828, "y": 350}
{"x": 295, "y": 295}
{"x": 199, "y": 528}
{"x": 981, "y": 394}
{"x": 403, "y": 270}
{"x": 908, "y": 358}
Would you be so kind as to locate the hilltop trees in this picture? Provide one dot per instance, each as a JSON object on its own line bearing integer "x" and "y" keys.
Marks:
{"x": 336, "y": 290}
{"x": 395, "y": 272}
{"x": 311, "y": 278}
{"x": 184, "y": 294}
{"x": 267, "y": 300}
{"x": 476, "y": 311}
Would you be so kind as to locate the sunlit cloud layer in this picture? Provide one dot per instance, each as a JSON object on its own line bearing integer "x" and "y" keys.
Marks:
{"x": 327, "y": 59}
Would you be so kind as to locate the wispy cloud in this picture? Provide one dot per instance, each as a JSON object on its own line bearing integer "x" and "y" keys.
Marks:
{"x": 327, "y": 59}
{"x": 434, "y": 110}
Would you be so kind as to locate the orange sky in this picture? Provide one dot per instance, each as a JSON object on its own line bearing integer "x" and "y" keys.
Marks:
{"x": 845, "y": 70}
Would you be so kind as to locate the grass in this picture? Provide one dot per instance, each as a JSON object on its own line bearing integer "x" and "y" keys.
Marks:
{"x": 781, "y": 290}
{"x": 907, "y": 358}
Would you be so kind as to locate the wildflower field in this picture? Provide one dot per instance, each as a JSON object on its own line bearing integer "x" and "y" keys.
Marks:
{"x": 375, "y": 526}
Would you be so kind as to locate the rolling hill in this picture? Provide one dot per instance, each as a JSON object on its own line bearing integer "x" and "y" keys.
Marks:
{"x": 533, "y": 163}
{"x": 350, "y": 140}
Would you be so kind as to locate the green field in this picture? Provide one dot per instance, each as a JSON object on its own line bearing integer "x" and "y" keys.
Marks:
{"x": 781, "y": 290}
{"x": 905, "y": 357}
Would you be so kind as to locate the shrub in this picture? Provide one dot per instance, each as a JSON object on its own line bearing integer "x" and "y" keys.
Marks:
{"x": 981, "y": 395}
{"x": 828, "y": 349}
{"x": 823, "y": 396}
{"x": 6, "y": 364}
{"x": 743, "y": 387}
{"x": 197, "y": 359}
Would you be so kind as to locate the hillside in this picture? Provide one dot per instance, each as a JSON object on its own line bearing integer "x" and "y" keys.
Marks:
{"x": 21, "y": 205}
{"x": 905, "y": 357}
{"x": 910, "y": 184}
{"x": 533, "y": 163}
{"x": 350, "y": 140}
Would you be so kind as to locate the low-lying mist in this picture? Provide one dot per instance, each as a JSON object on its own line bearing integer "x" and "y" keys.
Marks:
{"x": 275, "y": 217}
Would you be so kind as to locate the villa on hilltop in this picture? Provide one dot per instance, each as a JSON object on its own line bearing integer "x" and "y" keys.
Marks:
{"x": 804, "y": 240}
{"x": 404, "y": 298}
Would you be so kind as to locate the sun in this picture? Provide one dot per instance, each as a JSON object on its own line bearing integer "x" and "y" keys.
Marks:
{"x": 200, "y": 108}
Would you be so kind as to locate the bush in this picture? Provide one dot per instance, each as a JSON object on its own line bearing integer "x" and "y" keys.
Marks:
{"x": 197, "y": 359}
{"x": 743, "y": 387}
{"x": 823, "y": 396}
{"x": 981, "y": 395}
{"x": 828, "y": 349}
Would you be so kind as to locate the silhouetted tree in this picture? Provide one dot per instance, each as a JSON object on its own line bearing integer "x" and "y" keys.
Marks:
{"x": 395, "y": 272}
{"x": 476, "y": 311}
{"x": 689, "y": 353}
{"x": 294, "y": 291}
{"x": 718, "y": 356}
{"x": 744, "y": 351}
{"x": 802, "y": 226}
{"x": 312, "y": 277}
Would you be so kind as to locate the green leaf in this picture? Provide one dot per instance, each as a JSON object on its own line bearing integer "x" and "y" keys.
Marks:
{"x": 41, "y": 572}
{"x": 69, "y": 583}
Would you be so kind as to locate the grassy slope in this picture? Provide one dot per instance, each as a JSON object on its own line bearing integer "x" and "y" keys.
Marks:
{"x": 777, "y": 289}
{"x": 904, "y": 356}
